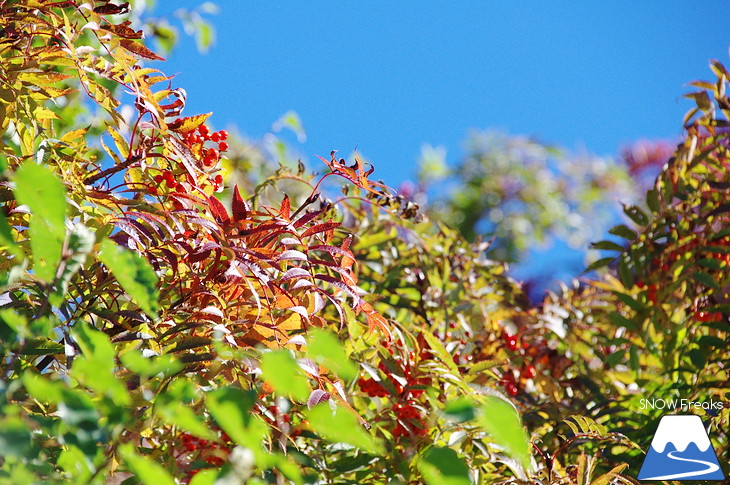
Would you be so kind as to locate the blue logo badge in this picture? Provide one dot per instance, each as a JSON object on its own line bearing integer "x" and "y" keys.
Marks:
{"x": 681, "y": 450}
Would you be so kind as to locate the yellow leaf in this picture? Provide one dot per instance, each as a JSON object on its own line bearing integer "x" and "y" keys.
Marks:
{"x": 119, "y": 141}
{"x": 189, "y": 124}
{"x": 74, "y": 135}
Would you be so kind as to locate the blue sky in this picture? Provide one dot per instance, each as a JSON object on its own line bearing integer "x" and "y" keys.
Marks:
{"x": 387, "y": 77}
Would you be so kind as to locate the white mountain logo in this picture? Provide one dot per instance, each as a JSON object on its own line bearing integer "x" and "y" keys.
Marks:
{"x": 681, "y": 450}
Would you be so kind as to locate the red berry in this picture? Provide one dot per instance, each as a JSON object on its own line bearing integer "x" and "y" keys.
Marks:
{"x": 152, "y": 190}
{"x": 223, "y": 146}
{"x": 529, "y": 371}
{"x": 223, "y": 134}
{"x": 203, "y": 130}
{"x": 215, "y": 137}
{"x": 159, "y": 178}
{"x": 212, "y": 153}
{"x": 218, "y": 179}
{"x": 511, "y": 389}
{"x": 511, "y": 343}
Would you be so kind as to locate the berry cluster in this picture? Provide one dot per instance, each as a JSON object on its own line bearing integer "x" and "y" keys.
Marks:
{"x": 209, "y": 156}
{"x": 405, "y": 389}
{"x": 514, "y": 379}
{"x": 211, "y": 452}
{"x": 650, "y": 291}
{"x": 196, "y": 141}
{"x": 409, "y": 414}
{"x": 703, "y": 316}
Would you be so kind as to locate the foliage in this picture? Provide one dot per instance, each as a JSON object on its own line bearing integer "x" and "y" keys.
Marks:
{"x": 177, "y": 310}
{"x": 525, "y": 194}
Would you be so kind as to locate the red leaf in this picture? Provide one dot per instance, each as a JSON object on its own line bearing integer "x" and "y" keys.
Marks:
{"x": 112, "y": 9}
{"x": 123, "y": 30}
{"x": 285, "y": 211}
{"x": 306, "y": 218}
{"x": 239, "y": 206}
{"x": 326, "y": 226}
{"x": 219, "y": 211}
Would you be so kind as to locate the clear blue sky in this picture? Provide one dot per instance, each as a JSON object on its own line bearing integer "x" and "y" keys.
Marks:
{"x": 388, "y": 77}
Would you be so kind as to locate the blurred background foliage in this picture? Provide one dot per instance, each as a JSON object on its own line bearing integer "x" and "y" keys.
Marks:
{"x": 160, "y": 326}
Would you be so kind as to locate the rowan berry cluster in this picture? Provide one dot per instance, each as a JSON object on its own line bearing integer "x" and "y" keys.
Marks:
{"x": 209, "y": 156}
{"x": 703, "y": 316}
{"x": 514, "y": 379}
{"x": 213, "y": 452}
{"x": 404, "y": 383}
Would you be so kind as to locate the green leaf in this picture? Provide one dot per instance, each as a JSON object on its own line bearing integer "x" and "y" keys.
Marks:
{"x": 46, "y": 248}
{"x": 443, "y": 466}
{"x": 326, "y": 349}
{"x": 178, "y": 414}
{"x": 698, "y": 358}
{"x": 96, "y": 367}
{"x": 80, "y": 244}
{"x": 15, "y": 438}
{"x": 629, "y": 301}
{"x": 500, "y": 419}
{"x": 41, "y": 347}
{"x": 37, "y": 187}
{"x": 146, "y": 470}
{"x": 460, "y": 410}
{"x": 284, "y": 374}
{"x": 706, "y": 280}
{"x": 42, "y": 388}
{"x": 7, "y": 240}
{"x": 710, "y": 263}
{"x": 634, "y": 358}
{"x": 636, "y": 215}
{"x": 134, "y": 274}
{"x": 598, "y": 264}
{"x": 652, "y": 200}
{"x": 341, "y": 427}
{"x": 73, "y": 461}
{"x": 621, "y": 321}
{"x": 607, "y": 245}
{"x": 438, "y": 348}
{"x": 149, "y": 367}
{"x": 231, "y": 407}
{"x": 205, "y": 477}
{"x": 624, "y": 273}
{"x": 623, "y": 231}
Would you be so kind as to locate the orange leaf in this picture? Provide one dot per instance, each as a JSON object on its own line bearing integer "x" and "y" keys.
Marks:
{"x": 285, "y": 208}
{"x": 185, "y": 125}
{"x": 140, "y": 50}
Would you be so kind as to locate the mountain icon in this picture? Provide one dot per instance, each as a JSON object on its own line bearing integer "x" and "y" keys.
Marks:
{"x": 681, "y": 450}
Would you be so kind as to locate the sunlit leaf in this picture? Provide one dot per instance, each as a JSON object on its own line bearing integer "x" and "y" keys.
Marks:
{"x": 502, "y": 422}
{"x": 284, "y": 374}
{"x": 38, "y": 187}
{"x": 147, "y": 471}
{"x": 326, "y": 349}
{"x": 134, "y": 274}
{"x": 443, "y": 466}
{"x": 341, "y": 426}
